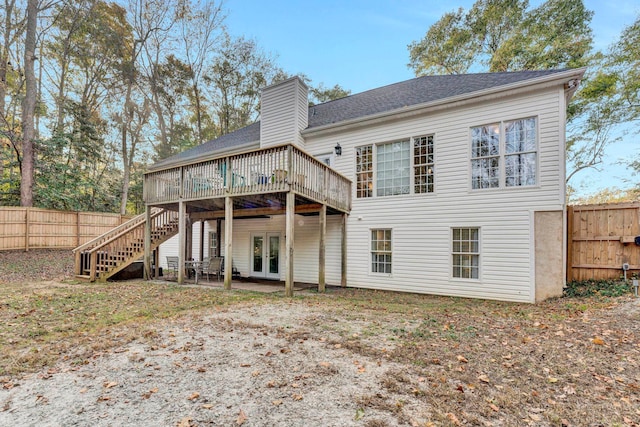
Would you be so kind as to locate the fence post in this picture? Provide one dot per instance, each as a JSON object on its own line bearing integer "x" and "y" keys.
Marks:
{"x": 77, "y": 229}
{"x": 569, "y": 255}
{"x": 26, "y": 230}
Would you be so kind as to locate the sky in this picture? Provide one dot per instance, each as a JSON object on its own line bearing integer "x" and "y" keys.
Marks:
{"x": 362, "y": 45}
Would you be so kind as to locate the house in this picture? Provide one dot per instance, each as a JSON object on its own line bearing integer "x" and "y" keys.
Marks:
{"x": 449, "y": 185}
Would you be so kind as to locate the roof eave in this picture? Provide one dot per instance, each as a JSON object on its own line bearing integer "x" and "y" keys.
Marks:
{"x": 546, "y": 80}
{"x": 221, "y": 152}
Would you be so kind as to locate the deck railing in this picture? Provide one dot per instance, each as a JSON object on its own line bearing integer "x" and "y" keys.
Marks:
{"x": 275, "y": 169}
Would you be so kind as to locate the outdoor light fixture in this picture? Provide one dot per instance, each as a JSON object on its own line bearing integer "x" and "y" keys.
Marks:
{"x": 338, "y": 149}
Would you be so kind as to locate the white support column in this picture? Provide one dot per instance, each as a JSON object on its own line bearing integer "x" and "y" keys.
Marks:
{"x": 290, "y": 224}
{"x": 322, "y": 249}
{"x": 228, "y": 247}
{"x": 147, "y": 244}
{"x": 182, "y": 243}
{"x": 343, "y": 254}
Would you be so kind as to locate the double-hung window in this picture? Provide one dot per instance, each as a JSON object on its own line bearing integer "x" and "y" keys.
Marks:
{"x": 504, "y": 154}
{"x": 389, "y": 169}
{"x": 466, "y": 252}
{"x": 381, "y": 250}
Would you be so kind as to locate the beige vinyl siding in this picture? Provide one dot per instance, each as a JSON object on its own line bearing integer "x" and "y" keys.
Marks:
{"x": 421, "y": 223}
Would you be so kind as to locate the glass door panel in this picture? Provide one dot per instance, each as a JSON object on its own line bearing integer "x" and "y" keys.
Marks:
{"x": 257, "y": 256}
{"x": 274, "y": 256}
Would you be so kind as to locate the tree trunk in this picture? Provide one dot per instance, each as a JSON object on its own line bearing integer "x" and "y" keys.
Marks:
{"x": 29, "y": 106}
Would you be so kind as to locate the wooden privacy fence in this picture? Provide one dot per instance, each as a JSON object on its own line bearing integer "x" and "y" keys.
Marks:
{"x": 34, "y": 228}
{"x": 600, "y": 239}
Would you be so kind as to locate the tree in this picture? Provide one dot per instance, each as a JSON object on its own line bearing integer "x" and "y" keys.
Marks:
{"x": 502, "y": 35}
{"x": 238, "y": 73}
{"x": 505, "y": 35}
{"x": 29, "y": 106}
{"x": 200, "y": 25}
{"x": 320, "y": 93}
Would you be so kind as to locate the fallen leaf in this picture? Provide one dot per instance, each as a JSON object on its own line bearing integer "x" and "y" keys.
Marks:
{"x": 552, "y": 379}
{"x": 297, "y": 397}
{"x": 255, "y": 373}
{"x": 285, "y": 350}
{"x": 110, "y": 384}
{"x": 598, "y": 341}
{"x": 462, "y": 359}
{"x": 453, "y": 419}
{"x": 359, "y": 414}
{"x": 494, "y": 407}
{"x": 194, "y": 396}
{"x": 185, "y": 422}
{"x": 324, "y": 364}
{"x": 242, "y": 418}
{"x": 484, "y": 378}
{"x": 245, "y": 365}
{"x": 207, "y": 406}
{"x": 277, "y": 402}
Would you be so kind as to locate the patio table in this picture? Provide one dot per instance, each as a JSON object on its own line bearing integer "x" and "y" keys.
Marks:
{"x": 196, "y": 266}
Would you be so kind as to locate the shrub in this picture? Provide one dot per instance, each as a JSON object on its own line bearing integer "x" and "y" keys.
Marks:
{"x": 587, "y": 288}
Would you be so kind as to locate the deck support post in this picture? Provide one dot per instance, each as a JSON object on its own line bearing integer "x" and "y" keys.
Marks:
{"x": 189, "y": 240}
{"x": 228, "y": 246}
{"x": 343, "y": 252}
{"x": 322, "y": 249}
{"x": 202, "y": 242}
{"x": 182, "y": 222}
{"x": 289, "y": 227}
{"x": 147, "y": 244}
{"x": 218, "y": 236}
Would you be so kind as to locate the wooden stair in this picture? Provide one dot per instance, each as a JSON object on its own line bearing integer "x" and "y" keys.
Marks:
{"x": 108, "y": 254}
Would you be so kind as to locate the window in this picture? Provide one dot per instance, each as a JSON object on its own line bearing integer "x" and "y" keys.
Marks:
{"x": 520, "y": 152}
{"x": 510, "y": 145}
{"x": 485, "y": 156}
{"x": 327, "y": 158}
{"x": 394, "y": 164}
{"x": 466, "y": 253}
{"x": 213, "y": 243}
{"x": 393, "y": 169}
{"x": 381, "y": 251}
{"x": 423, "y": 164}
{"x": 364, "y": 171}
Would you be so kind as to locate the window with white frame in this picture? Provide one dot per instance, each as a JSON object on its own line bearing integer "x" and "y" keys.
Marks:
{"x": 392, "y": 166}
{"x": 364, "y": 171}
{"x": 213, "y": 243}
{"x": 466, "y": 252}
{"x": 423, "y": 163}
{"x": 507, "y": 149}
{"x": 381, "y": 251}
{"x": 520, "y": 152}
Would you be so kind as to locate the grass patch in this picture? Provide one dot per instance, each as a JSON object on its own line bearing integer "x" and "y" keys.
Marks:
{"x": 40, "y": 322}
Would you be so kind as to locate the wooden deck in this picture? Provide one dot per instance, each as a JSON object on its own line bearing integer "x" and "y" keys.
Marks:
{"x": 279, "y": 180}
{"x": 248, "y": 175}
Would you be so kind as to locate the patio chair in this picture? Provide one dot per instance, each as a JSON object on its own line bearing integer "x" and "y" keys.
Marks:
{"x": 172, "y": 264}
{"x": 235, "y": 273}
{"x": 212, "y": 265}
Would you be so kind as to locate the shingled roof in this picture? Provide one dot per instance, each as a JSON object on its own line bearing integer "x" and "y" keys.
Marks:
{"x": 421, "y": 90}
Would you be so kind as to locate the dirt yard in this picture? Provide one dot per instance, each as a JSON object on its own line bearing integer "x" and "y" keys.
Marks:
{"x": 154, "y": 354}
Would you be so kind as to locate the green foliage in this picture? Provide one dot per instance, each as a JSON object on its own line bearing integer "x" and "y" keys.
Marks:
{"x": 322, "y": 94}
{"x": 503, "y": 35}
{"x": 589, "y": 288}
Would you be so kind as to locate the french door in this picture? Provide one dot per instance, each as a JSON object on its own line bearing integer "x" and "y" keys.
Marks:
{"x": 265, "y": 255}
